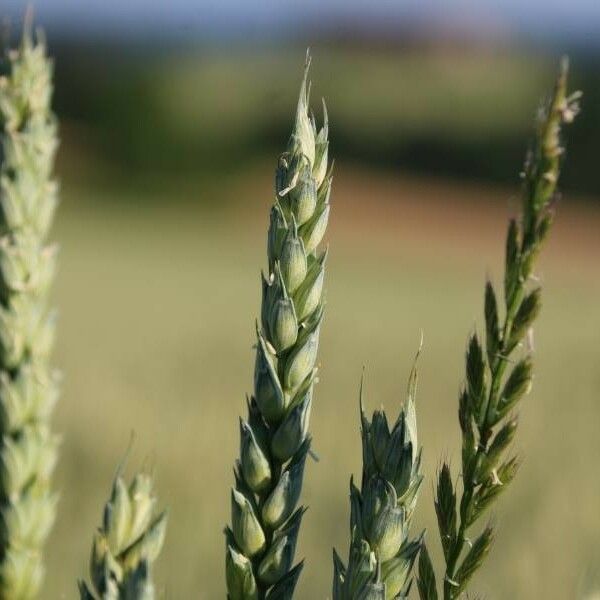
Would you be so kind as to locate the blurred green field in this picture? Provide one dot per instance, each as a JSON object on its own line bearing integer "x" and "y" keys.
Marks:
{"x": 157, "y": 303}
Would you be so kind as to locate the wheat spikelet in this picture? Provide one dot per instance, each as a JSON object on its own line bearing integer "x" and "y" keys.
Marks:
{"x": 499, "y": 373}
{"x": 261, "y": 542}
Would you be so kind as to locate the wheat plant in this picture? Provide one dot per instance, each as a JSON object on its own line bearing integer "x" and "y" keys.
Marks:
{"x": 499, "y": 371}
{"x": 126, "y": 544}
{"x": 381, "y": 554}
{"x": 28, "y": 384}
{"x": 274, "y": 439}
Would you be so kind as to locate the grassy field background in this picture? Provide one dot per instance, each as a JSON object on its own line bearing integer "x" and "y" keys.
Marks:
{"x": 157, "y": 303}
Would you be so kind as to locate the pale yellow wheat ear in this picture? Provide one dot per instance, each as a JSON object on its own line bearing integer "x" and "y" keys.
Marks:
{"x": 274, "y": 438}
{"x": 498, "y": 371}
{"x": 127, "y": 543}
{"x": 28, "y": 384}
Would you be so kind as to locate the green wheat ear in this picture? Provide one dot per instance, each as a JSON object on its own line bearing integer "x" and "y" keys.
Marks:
{"x": 127, "y": 543}
{"x": 381, "y": 554}
{"x": 499, "y": 372}
{"x": 28, "y": 385}
{"x": 274, "y": 440}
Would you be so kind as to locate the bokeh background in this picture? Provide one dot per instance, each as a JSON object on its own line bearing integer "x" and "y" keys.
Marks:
{"x": 172, "y": 116}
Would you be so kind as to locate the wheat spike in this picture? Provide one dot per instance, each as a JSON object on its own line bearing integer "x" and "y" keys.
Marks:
{"x": 127, "y": 543}
{"x": 265, "y": 519}
{"x": 381, "y": 553}
{"x": 499, "y": 372}
{"x": 28, "y": 384}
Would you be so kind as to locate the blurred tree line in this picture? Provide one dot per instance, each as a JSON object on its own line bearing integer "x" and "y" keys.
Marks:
{"x": 442, "y": 111}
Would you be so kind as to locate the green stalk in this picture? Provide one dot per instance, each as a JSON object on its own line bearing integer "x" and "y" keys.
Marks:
{"x": 489, "y": 396}
{"x": 381, "y": 555}
{"x": 127, "y": 543}
{"x": 28, "y": 385}
{"x": 265, "y": 520}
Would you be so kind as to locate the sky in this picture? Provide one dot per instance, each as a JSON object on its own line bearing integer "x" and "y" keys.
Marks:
{"x": 575, "y": 20}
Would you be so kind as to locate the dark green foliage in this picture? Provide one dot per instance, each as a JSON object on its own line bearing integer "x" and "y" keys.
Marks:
{"x": 284, "y": 588}
{"x": 426, "y": 580}
{"x": 476, "y": 379}
{"x": 527, "y": 312}
{"x": 445, "y": 508}
{"x": 473, "y": 559}
{"x": 492, "y": 338}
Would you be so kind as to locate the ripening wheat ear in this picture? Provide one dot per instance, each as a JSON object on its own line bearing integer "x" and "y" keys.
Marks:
{"x": 381, "y": 554}
{"x": 127, "y": 543}
{"x": 28, "y": 385}
{"x": 490, "y": 393}
{"x": 274, "y": 442}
